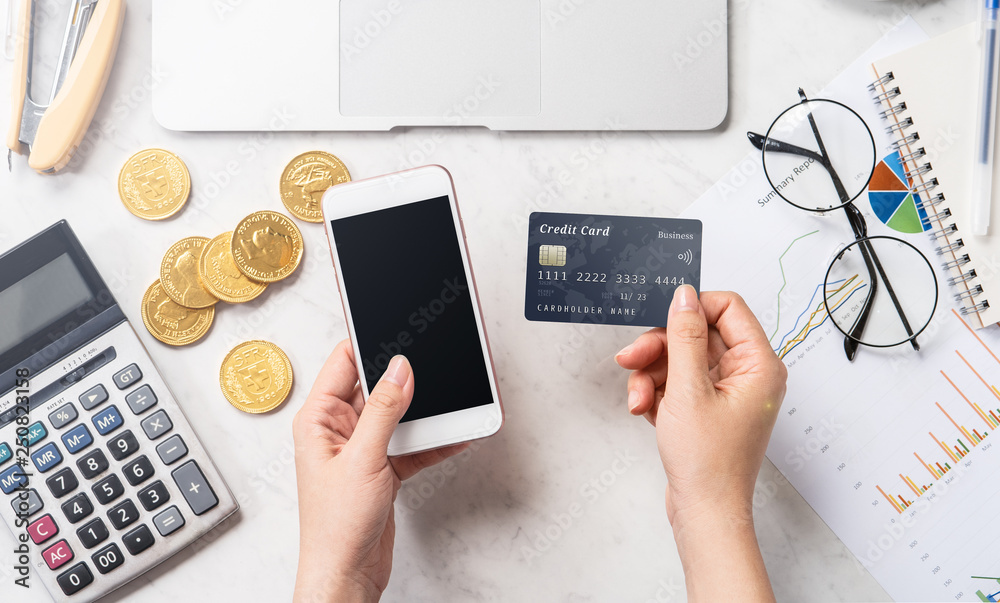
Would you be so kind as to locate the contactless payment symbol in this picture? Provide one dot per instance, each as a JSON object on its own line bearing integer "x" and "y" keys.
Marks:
{"x": 552, "y": 255}
{"x": 687, "y": 257}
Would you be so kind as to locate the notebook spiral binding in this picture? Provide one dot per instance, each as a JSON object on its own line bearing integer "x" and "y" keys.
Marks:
{"x": 887, "y": 95}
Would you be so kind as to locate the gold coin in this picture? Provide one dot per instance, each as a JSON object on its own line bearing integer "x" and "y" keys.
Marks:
{"x": 256, "y": 377}
{"x": 221, "y": 276}
{"x": 154, "y": 184}
{"x": 170, "y": 322}
{"x": 305, "y": 180}
{"x": 267, "y": 246}
{"x": 179, "y": 274}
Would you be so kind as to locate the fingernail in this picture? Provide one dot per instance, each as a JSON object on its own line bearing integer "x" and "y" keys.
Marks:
{"x": 625, "y": 350}
{"x": 398, "y": 371}
{"x": 633, "y": 401}
{"x": 685, "y": 299}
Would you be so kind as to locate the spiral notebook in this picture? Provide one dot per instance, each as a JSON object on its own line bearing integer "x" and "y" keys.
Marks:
{"x": 929, "y": 95}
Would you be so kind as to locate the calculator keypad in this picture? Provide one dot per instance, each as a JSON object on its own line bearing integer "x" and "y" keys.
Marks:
{"x": 132, "y": 464}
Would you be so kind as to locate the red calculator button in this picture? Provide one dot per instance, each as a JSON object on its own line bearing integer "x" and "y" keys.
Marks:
{"x": 57, "y": 555}
{"x": 42, "y": 530}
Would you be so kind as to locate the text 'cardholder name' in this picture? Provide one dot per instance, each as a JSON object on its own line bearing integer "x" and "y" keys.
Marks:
{"x": 615, "y": 270}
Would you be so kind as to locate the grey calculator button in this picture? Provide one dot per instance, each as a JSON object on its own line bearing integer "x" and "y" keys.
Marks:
{"x": 93, "y": 397}
{"x": 171, "y": 450}
{"x": 194, "y": 487}
{"x": 127, "y": 377}
{"x": 138, "y": 540}
{"x": 156, "y": 425}
{"x": 75, "y": 579}
{"x": 169, "y": 521}
{"x": 141, "y": 399}
{"x": 27, "y": 506}
{"x": 62, "y": 416}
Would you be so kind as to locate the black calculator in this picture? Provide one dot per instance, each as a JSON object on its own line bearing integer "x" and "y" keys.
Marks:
{"x": 102, "y": 477}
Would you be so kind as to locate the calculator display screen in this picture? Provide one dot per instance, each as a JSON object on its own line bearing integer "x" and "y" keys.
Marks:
{"x": 37, "y": 300}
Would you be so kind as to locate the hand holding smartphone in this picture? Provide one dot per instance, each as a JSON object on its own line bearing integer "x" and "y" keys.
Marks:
{"x": 407, "y": 287}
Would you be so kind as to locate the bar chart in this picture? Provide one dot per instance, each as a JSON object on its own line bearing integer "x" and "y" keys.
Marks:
{"x": 965, "y": 439}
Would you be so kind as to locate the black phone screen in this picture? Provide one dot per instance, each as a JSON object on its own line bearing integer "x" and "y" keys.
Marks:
{"x": 408, "y": 294}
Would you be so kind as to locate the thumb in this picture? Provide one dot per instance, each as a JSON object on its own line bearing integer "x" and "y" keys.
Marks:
{"x": 687, "y": 341}
{"x": 384, "y": 408}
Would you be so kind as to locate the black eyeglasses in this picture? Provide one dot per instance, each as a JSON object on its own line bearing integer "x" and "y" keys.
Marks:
{"x": 829, "y": 171}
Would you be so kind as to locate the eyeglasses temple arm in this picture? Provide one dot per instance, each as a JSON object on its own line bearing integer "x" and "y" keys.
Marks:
{"x": 873, "y": 264}
{"x": 776, "y": 146}
{"x": 860, "y": 231}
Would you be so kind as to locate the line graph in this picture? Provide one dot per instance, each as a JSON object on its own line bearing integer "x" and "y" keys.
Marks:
{"x": 844, "y": 291}
{"x": 784, "y": 278}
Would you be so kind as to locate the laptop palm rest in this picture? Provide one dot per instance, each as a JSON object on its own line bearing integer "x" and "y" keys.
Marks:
{"x": 409, "y": 59}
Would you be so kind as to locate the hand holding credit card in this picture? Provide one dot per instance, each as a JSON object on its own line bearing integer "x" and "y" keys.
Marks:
{"x": 615, "y": 270}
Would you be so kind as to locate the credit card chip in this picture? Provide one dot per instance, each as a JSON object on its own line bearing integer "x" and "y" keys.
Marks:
{"x": 552, "y": 255}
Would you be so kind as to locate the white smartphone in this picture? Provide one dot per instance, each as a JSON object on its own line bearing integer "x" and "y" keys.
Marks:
{"x": 407, "y": 286}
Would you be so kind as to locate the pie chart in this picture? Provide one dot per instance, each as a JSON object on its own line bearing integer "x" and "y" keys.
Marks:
{"x": 891, "y": 199}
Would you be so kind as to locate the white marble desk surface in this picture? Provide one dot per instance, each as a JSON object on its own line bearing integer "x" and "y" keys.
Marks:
{"x": 569, "y": 443}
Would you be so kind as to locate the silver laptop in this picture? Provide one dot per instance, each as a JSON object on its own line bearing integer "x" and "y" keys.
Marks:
{"x": 379, "y": 64}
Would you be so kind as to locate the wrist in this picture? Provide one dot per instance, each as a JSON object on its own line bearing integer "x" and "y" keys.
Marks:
{"x": 717, "y": 544}
{"x": 729, "y": 513}
{"x": 324, "y": 584}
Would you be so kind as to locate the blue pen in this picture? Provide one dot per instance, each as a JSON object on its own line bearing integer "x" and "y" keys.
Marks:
{"x": 987, "y": 115}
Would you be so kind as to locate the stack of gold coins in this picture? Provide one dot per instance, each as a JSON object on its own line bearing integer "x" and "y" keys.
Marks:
{"x": 235, "y": 267}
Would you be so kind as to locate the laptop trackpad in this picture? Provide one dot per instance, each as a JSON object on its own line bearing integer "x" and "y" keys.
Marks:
{"x": 457, "y": 59}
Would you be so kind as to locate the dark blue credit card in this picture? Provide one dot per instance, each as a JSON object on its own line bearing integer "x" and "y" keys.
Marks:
{"x": 615, "y": 270}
